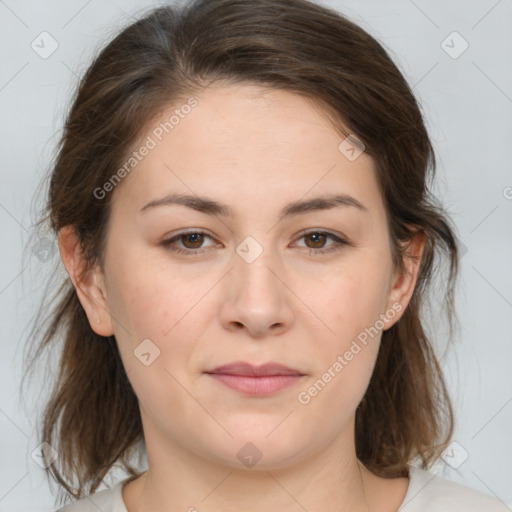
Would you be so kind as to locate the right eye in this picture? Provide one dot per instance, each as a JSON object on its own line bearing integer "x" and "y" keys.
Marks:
{"x": 194, "y": 238}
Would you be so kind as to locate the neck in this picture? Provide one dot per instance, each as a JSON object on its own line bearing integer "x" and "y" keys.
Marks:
{"x": 331, "y": 480}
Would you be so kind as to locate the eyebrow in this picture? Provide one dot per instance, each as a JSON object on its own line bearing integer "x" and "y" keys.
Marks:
{"x": 211, "y": 207}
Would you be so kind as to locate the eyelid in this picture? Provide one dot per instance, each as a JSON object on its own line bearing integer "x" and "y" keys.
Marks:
{"x": 325, "y": 231}
{"x": 174, "y": 237}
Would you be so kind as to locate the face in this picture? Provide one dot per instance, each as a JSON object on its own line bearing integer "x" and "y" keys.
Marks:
{"x": 258, "y": 279}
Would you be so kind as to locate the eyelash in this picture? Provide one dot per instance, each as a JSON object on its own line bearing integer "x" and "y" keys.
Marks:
{"x": 340, "y": 242}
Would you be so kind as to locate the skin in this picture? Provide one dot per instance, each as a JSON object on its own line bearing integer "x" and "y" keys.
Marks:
{"x": 290, "y": 305}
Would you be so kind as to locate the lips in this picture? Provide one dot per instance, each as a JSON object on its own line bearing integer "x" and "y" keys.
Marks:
{"x": 248, "y": 370}
{"x": 256, "y": 381}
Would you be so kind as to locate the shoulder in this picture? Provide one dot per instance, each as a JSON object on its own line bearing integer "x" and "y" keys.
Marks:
{"x": 432, "y": 493}
{"x": 106, "y": 500}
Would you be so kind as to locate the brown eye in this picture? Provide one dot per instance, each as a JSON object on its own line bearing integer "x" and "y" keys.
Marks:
{"x": 318, "y": 240}
{"x": 196, "y": 240}
{"x": 187, "y": 243}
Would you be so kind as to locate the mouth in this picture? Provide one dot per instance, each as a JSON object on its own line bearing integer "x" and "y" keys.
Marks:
{"x": 253, "y": 380}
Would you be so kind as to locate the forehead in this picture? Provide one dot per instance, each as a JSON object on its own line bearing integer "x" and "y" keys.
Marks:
{"x": 246, "y": 142}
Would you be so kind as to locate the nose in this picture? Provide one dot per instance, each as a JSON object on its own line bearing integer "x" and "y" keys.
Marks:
{"x": 257, "y": 298}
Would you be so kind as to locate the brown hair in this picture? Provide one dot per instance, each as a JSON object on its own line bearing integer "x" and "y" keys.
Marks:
{"x": 92, "y": 416}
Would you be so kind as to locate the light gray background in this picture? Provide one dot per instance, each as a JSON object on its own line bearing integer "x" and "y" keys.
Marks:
{"x": 467, "y": 102}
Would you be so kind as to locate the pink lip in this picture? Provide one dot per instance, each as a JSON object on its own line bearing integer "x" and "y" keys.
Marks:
{"x": 256, "y": 380}
{"x": 256, "y": 386}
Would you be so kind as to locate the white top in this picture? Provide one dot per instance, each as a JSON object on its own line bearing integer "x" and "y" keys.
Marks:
{"x": 426, "y": 493}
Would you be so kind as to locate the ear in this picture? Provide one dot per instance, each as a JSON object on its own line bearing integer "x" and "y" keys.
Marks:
{"x": 88, "y": 281}
{"x": 403, "y": 284}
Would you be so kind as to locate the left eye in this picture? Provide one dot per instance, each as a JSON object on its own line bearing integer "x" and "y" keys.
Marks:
{"x": 192, "y": 242}
{"x": 319, "y": 237}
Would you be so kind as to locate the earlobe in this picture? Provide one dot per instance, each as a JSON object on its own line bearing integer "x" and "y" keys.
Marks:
{"x": 88, "y": 282}
{"x": 403, "y": 284}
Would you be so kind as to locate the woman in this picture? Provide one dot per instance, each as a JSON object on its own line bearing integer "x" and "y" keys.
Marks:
{"x": 241, "y": 203}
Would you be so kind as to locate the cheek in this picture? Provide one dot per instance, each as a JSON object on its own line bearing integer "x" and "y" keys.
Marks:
{"x": 149, "y": 300}
{"x": 350, "y": 306}
{"x": 345, "y": 357}
{"x": 355, "y": 297}
{"x": 159, "y": 312}
{"x": 155, "y": 329}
